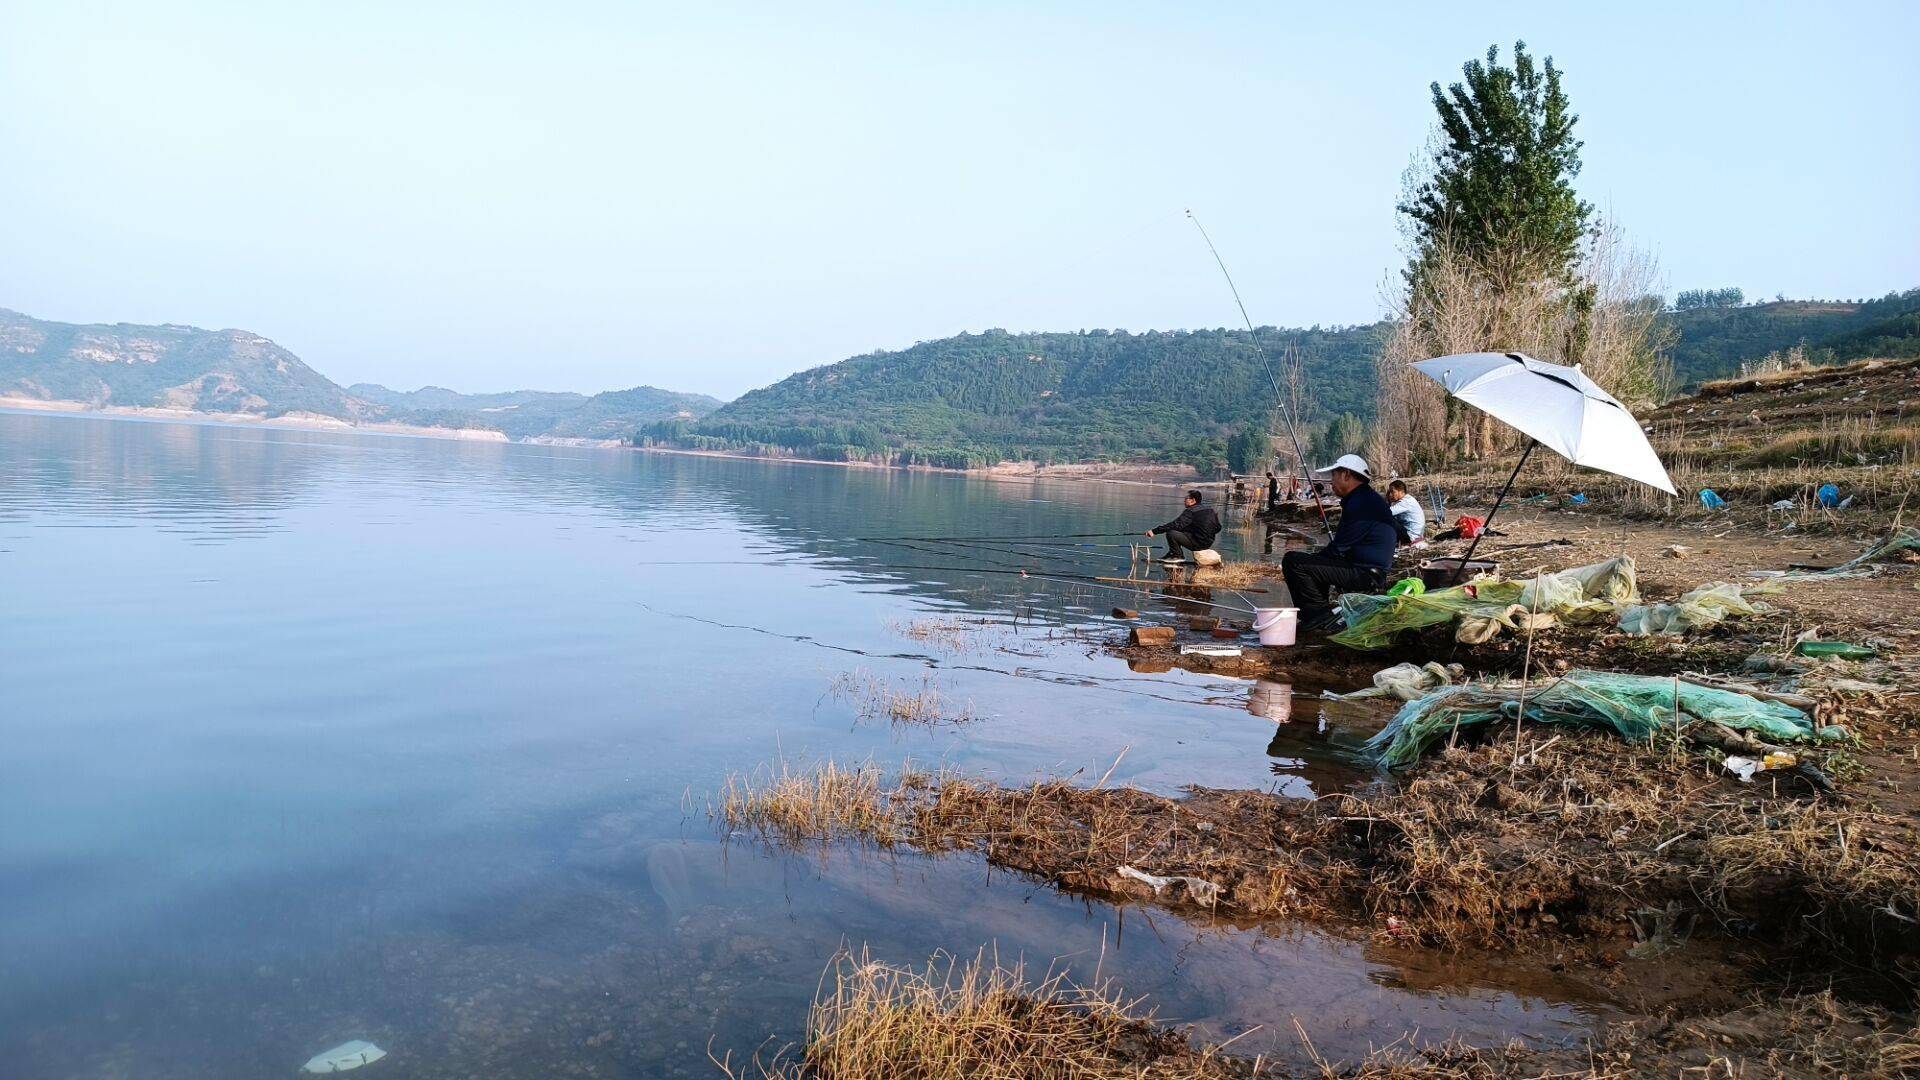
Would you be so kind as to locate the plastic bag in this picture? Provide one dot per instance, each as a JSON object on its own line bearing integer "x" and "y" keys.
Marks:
{"x": 1407, "y": 681}
{"x": 1703, "y": 607}
{"x": 1487, "y": 606}
{"x": 348, "y": 1055}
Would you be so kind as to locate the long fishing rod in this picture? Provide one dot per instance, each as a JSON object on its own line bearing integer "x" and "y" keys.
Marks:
{"x": 1003, "y": 536}
{"x": 1279, "y": 399}
{"x": 1081, "y": 580}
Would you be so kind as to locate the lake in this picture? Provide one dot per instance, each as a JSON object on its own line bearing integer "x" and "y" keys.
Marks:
{"x": 314, "y": 737}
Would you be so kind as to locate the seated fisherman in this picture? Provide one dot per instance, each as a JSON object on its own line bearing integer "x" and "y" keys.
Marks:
{"x": 1358, "y": 556}
{"x": 1193, "y": 530}
{"x": 1408, "y": 515}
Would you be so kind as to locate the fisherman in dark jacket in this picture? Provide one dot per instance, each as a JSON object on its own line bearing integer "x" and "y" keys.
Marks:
{"x": 1193, "y": 530}
{"x": 1358, "y": 556}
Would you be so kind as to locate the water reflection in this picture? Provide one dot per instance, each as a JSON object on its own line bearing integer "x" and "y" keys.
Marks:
{"x": 314, "y": 737}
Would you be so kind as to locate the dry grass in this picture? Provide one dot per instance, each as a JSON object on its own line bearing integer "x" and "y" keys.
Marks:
{"x": 958, "y": 635}
{"x": 1783, "y": 368}
{"x": 818, "y": 804}
{"x": 877, "y": 699}
{"x": 1237, "y": 575}
{"x": 1858, "y": 440}
{"x": 954, "y": 1021}
{"x": 1487, "y": 846}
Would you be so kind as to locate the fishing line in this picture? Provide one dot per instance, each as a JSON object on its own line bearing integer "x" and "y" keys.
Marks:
{"x": 1004, "y": 536}
{"x": 1081, "y": 580}
{"x": 1279, "y": 399}
{"x": 945, "y": 553}
{"x": 1072, "y": 555}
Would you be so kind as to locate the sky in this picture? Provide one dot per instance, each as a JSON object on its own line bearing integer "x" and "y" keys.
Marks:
{"x": 709, "y": 197}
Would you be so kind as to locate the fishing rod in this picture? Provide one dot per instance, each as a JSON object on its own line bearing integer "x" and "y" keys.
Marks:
{"x": 1082, "y": 580}
{"x": 974, "y": 551}
{"x": 1279, "y": 399}
{"x": 1003, "y": 536}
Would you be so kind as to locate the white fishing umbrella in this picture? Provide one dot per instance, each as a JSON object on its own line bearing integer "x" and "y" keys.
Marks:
{"x": 1555, "y": 406}
{"x": 1558, "y": 406}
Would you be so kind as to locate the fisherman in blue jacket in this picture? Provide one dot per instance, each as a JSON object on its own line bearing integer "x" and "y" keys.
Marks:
{"x": 1358, "y": 556}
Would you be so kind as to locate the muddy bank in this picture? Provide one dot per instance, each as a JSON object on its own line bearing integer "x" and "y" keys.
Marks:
{"x": 952, "y": 1019}
{"x": 1753, "y": 928}
{"x": 1566, "y": 836}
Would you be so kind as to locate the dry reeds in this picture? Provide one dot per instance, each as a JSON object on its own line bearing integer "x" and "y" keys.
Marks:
{"x": 955, "y": 1021}
{"x": 1482, "y": 846}
{"x": 951, "y": 1020}
{"x": 1506, "y": 299}
{"x": 828, "y": 802}
{"x": 956, "y": 635}
{"x": 876, "y": 699}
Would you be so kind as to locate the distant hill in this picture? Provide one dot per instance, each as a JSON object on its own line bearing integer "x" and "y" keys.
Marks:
{"x": 519, "y": 414}
{"x": 524, "y": 414}
{"x": 1714, "y": 342}
{"x": 239, "y": 372}
{"x": 617, "y": 413}
{"x": 1173, "y": 396}
{"x": 172, "y": 367}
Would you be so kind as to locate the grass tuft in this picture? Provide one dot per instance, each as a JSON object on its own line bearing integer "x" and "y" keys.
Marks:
{"x": 951, "y": 1020}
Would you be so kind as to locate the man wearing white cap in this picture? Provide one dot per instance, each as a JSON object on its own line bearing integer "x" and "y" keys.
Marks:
{"x": 1358, "y": 556}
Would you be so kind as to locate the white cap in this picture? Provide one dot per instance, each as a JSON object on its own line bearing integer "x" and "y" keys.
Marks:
{"x": 1349, "y": 462}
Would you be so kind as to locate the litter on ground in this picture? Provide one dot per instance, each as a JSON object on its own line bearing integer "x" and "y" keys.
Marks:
{"x": 348, "y": 1055}
{"x": 1701, "y": 608}
{"x": 1407, "y": 681}
{"x": 1200, "y": 891}
{"x": 1210, "y": 650}
{"x": 1487, "y": 605}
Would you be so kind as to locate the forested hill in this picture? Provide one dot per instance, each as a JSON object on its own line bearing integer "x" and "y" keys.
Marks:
{"x": 1187, "y": 397}
{"x": 1713, "y": 342}
{"x": 525, "y": 414}
{"x": 1173, "y": 396}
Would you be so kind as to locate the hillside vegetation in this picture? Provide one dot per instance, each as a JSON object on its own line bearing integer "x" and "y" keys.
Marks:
{"x": 1182, "y": 397}
{"x": 975, "y": 399}
{"x": 167, "y": 367}
{"x": 524, "y": 414}
{"x": 1712, "y": 342}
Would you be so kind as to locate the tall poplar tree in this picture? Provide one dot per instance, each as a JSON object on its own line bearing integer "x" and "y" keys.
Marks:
{"x": 1501, "y": 187}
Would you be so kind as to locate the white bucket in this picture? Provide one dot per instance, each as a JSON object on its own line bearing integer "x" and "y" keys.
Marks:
{"x": 1276, "y": 625}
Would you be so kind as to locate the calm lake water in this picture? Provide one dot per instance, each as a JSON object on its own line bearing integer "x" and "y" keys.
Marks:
{"x": 311, "y": 737}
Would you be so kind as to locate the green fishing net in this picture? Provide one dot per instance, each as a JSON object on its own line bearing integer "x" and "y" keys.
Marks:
{"x": 1633, "y": 706}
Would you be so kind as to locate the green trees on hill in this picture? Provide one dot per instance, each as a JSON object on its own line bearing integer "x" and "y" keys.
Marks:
{"x": 1188, "y": 397}
{"x": 1697, "y": 299}
{"x": 1712, "y": 342}
{"x": 1199, "y": 397}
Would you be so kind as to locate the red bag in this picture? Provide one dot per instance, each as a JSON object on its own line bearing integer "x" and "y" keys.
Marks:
{"x": 1470, "y": 526}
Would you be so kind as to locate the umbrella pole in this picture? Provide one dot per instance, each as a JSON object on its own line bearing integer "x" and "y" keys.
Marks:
{"x": 1461, "y": 570}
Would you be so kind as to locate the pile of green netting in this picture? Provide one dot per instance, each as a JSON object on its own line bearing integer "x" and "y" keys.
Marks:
{"x": 1898, "y": 542}
{"x": 1487, "y": 605}
{"x": 1637, "y": 707}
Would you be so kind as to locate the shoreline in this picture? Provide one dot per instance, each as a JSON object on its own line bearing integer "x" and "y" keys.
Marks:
{"x": 1091, "y": 472}
{"x": 1131, "y": 475}
{"x": 288, "y": 422}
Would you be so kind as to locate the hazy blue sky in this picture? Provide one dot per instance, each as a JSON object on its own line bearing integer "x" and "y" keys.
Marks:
{"x": 587, "y": 196}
